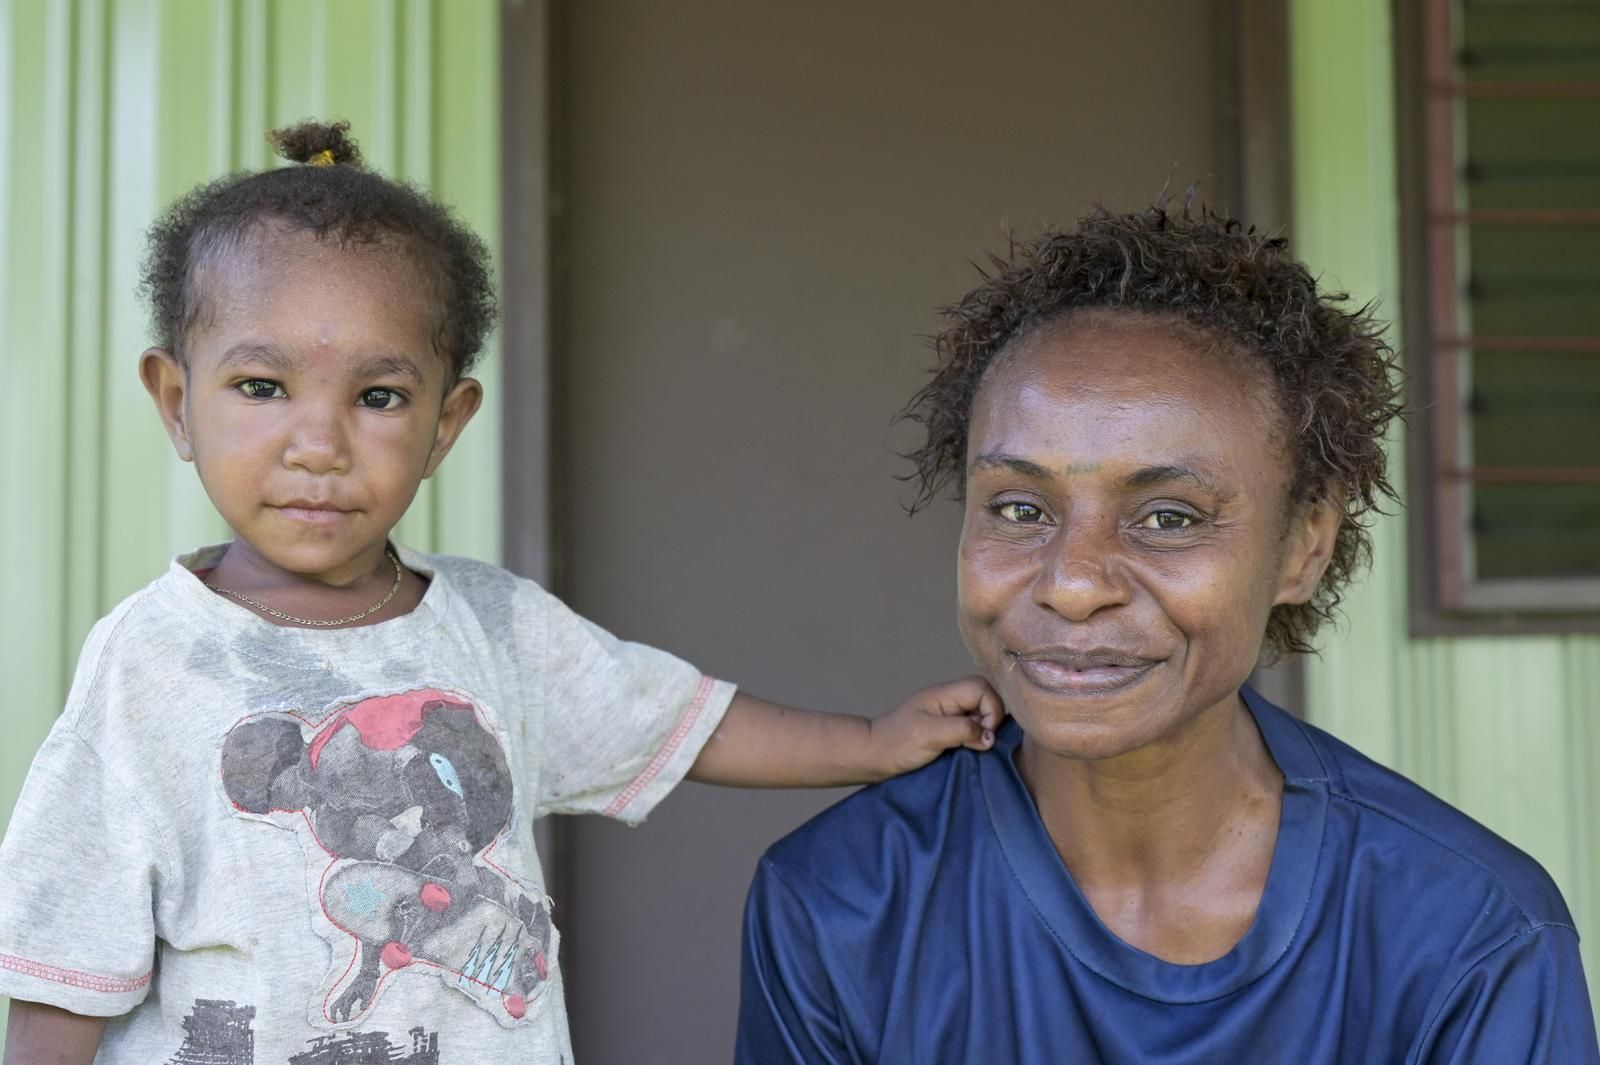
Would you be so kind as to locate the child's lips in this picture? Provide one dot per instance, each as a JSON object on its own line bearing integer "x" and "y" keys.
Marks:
{"x": 310, "y": 512}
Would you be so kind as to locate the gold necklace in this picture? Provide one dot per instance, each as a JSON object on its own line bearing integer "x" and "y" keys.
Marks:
{"x": 373, "y": 609}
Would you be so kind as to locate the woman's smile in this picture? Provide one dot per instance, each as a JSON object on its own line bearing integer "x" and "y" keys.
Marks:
{"x": 1092, "y": 673}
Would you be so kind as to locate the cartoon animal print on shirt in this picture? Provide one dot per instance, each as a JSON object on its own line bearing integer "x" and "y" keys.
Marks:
{"x": 407, "y": 795}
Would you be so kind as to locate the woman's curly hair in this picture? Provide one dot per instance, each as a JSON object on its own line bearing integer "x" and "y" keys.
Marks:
{"x": 1336, "y": 378}
{"x": 334, "y": 198}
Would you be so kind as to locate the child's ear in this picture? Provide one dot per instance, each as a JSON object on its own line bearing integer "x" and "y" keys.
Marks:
{"x": 460, "y": 404}
{"x": 1312, "y": 533}
{"x": 166, "y": 382}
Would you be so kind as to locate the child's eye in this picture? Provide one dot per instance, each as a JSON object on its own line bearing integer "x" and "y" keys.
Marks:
{"x": 256, "y": 388}
{"x": 381, "y": 399}
{"x": 1021, "y": 513}
{"x": 1167, "y": 520}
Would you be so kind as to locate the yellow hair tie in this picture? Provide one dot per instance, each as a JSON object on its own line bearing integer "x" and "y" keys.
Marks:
{"x": 322, "y": 158}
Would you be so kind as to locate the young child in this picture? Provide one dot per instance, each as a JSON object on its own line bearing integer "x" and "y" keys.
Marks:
{"x": 286, "y": 815}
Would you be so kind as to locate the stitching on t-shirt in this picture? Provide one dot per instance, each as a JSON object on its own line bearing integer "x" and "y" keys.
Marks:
{"x": 1336, "y": 771}
{"x": 834, "y": 976}
{"x": 1433, "y": 1022}
{"x": 73, "y": 713}
{"x": 1016, "y": 878}
{"x": 668, "y": 749}
{"x": 168, "y": 852}
{"x": 412, "y": 639}
{"x": 72, "y": 977}
{"x": 1469, "y": 859}
{"x": 1339, "y": 789}
{"x": 73, "y": 710}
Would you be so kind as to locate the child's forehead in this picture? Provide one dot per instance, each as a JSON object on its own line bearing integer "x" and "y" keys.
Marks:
{"x": 318, "y": 290}
{"x": 267, "y": 258}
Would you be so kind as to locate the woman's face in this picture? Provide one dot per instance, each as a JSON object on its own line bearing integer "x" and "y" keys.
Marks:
{"x": 1127, "y": 532}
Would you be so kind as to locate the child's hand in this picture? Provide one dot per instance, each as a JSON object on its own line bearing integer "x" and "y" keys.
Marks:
{"x": 959, "y": 713}
{"x": 765, "y": 745}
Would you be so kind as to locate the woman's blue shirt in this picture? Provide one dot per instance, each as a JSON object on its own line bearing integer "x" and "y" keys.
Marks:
{"x": 929, "y": 919}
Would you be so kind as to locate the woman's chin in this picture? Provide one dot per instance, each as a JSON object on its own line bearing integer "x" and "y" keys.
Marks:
{"x": 1082, "y": 737}
{"x": 1089, "y": 722}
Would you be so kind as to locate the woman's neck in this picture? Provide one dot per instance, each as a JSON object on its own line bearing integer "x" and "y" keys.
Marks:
{"x": 1171, "y": 844}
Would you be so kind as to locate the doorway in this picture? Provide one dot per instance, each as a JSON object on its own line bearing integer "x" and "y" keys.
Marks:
{"x": 754, "y": 211}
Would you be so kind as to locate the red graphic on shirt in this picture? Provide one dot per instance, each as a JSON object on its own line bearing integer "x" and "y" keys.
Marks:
{"x": 407, "y": 794}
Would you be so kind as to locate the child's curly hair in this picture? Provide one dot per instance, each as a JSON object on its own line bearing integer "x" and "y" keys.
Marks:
{"x": 334, "y": 198}
{"x": 1336, "y": 378}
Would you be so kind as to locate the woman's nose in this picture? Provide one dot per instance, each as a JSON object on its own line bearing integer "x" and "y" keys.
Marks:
{"x": 1081, "y": 574}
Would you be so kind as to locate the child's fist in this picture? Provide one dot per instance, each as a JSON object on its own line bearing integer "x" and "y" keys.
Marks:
{"x": 959, "y": 713}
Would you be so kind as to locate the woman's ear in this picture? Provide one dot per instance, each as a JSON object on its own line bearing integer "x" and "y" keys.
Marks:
{"x": 1310, "y": 539}
{"x": 460, "y": 404}
{"x": 165, "y": 380}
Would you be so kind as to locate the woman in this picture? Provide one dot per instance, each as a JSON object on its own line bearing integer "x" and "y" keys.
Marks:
{"x": 1168, "y": 441}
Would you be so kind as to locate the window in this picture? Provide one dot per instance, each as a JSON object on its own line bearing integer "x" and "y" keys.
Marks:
{"x": 1500, "y": 141}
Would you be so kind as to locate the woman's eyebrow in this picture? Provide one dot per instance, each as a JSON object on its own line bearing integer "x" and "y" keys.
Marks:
{"x": 1145, "y": 477}
{"x": 1167, "y": 474}
{"x": 1001, "y": 461}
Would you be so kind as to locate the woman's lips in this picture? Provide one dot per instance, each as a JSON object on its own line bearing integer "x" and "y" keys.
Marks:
{"x": 1083, "y": 675}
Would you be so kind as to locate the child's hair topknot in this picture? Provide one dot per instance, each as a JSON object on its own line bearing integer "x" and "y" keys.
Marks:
{"x": 313, "y": 142}
{"x": 333, "y": 197}
{"x": 1335, "y": 377}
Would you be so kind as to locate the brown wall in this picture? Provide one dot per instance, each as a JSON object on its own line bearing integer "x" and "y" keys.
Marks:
{"x": 760, "y": 205}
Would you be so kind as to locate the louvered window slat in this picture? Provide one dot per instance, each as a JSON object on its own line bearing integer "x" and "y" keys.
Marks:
{"x": 1512, "y": 205}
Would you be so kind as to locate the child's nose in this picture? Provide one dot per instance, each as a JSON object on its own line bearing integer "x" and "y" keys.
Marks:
{"x": 319, "y": 443}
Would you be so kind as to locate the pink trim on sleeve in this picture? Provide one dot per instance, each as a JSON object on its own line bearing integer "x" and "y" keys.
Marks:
{"x": 668, "y": 749}
{"x": 71, "y": 977}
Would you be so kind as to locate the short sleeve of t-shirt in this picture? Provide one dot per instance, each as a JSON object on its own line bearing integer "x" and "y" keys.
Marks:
{"x": 91, "y": 914}
{"x": 1526, "y": 1003}
{"x": 621, "y": 722}
{"x": 790, "y": 1009}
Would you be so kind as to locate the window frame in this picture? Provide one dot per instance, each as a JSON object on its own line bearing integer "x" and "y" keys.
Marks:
{"x": 1443, "y": 598}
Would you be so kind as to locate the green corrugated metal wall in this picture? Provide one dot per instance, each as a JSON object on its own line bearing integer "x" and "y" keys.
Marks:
{"x": 1505, "y": 728}
{"x": 108, "y": 109}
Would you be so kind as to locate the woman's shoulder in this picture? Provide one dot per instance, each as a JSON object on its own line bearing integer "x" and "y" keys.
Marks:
{"x": 887, "y": 835}
{"x": 1388, "y": 813}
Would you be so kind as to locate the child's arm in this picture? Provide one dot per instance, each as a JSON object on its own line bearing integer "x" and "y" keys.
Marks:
{"x": 37, "y": 1034}
{"x": 763, "y": 745}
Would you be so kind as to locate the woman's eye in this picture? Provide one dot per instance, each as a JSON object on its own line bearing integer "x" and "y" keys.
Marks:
{"x": 1021, "y": 513}
{"x": 1167, "y": 520}
{"x": 256, "y": 388}
{"x": 381, "y": 398}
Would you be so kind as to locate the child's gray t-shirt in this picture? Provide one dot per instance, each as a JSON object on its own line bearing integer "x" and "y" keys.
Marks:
{"x": 259, "y": 845}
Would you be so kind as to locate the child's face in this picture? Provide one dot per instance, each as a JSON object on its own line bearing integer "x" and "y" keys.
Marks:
{"x": 312, "y": 402}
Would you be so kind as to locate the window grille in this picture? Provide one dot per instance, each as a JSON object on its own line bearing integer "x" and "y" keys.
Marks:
{"x": 1507, "y": 170}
